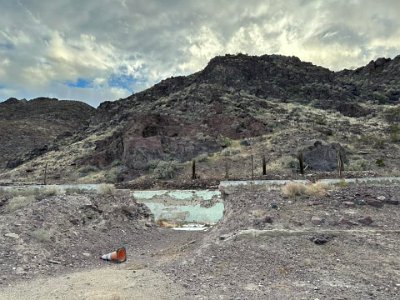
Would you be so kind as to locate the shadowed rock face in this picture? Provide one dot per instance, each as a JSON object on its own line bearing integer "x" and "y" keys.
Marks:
{"x": 323, "y": 157}
{"x": 29, "y": 128}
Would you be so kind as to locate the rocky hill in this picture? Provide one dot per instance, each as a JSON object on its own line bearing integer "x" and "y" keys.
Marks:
{"x": 30, "y": 128}
{"x": 231, "y": 114}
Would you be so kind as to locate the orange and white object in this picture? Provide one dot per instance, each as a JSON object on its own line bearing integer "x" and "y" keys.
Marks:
{"x": 118, "y": 256}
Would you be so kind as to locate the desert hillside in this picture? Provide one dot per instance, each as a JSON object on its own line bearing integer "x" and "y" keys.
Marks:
{"x": 227, "y": 117}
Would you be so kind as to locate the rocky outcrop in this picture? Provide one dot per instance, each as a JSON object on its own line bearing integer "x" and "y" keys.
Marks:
{"x": 323, "y": 157}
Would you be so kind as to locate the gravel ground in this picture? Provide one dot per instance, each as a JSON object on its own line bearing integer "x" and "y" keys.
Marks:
{"x": 353, "y": 263}
{"x": 343, "y": 245}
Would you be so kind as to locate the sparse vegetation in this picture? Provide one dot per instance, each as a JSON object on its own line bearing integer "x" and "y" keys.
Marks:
{"x": 342, "y": 183}
{"x": 394, "y": 133}
{"x": 107, "y": 189}
{"x": 165, "y": 169}
{"x": 71, "y": 191}
{"x": 380, "y": 162}
{"x": 19, "y": 202}
{"x": 166, "y": 223}
{"x": 295, "y": 189}
{"x": 42, "y": 235}
{"x": 85, "y": 170}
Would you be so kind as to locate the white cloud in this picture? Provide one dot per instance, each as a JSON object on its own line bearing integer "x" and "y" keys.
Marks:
{"x": 54, "y": 42}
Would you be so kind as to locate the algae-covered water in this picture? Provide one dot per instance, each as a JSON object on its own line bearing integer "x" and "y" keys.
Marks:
{"x": 183, "y": 206}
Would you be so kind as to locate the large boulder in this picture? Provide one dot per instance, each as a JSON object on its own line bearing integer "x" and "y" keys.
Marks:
{"x": 323, "y": 157}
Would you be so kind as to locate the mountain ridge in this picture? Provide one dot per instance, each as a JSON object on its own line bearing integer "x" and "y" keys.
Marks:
{"x": 238, "y": 97}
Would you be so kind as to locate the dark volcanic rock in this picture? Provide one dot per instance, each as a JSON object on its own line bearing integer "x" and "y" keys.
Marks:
{"x": 26, "y": 125}
{"x": 375, "y": 203}
{"x": 14, "y": 163}
{"x": 323, "y": 157}
{"x": 321, "y": 239}
{"x": 365, "y": 220}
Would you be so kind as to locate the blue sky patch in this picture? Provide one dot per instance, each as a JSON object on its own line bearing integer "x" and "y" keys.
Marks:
{"x": 80, "y": 83}
{"x": 6, "y": 46}
{"x": 122, "y": 81}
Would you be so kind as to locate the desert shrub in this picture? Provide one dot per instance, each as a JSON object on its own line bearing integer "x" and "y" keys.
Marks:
{"x": 395, "y": 133}
{"x": 116, "y": 163}
{"x": 380, "y": 162}
{"x": 23, "y": 192}
{"x": 106, "y": 189}
{"x": 112, "y": 175}
{"x": 358, "y": 165}
{"x": 42, "y": 235}
{"x": 342, "y": 183}
{"x": 40, "y": 194}
{"x": 379, "y": 97}
{"x": 316, "y": 189}
{"x": 85, "y": 170}
{"x": 165, "y": 169}
{"x": 225, "y": 142}
{"x": 320, "y": 119}
{"x": 71, "y": 191}
{"x": 294, "y": 189}
{"x": 375, "y": 141}
{"x": 4, "y": 192}
{"x": 392, "y": 114}
{"x": 19, "y": 202}
{"x": 202, "y": 157}
{"x": 230, "y": 152}
{"x": 293, "y": 164}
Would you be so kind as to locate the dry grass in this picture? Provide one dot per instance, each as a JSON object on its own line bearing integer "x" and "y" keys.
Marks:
{"x": 294, "y": 189}
{"x": 19, "y": 202}
{"x": 42, "y": 235}
{"x": 166, "y": 223}
{"x": 316, "y": 189}
{"x": 106, "y": 189}
{"x": 48, "y": 192}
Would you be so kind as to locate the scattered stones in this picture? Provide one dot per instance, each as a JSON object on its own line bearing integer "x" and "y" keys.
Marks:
{"x": 345, "y": 221}
{"x": 375, "y": 203}
{"x": 224, "y": 237}
{"x": 360, "y": 202}
{"x": 19, "y": 271}
{"x": 392, "y": 201}
{"x": 349, "y": 204}
{"x": 297, "y": 222}
{"x": 260, "y": 222}
{"x": 365, "y": 220}
{"x": 317, "y": 220}
{"x": 12, "y": 235}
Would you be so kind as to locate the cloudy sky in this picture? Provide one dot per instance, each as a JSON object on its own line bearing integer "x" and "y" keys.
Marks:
{"x": 97, "y": 50}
